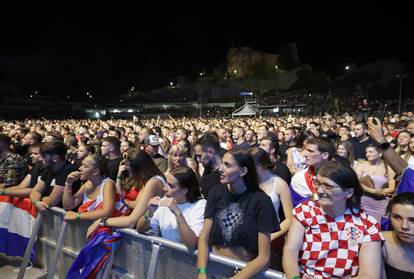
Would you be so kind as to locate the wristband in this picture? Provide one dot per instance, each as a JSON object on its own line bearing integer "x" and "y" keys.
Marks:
{"x": 119, "y": 177}
{"x": 384, "y": 145}
{"x": 296, "y": 277}
{"x": 3, "y": 192}
{"x": 180, "y": 221}
{"x": 148, "y": 215}
{"x": 78, "y": 216}
{"x": 103, "y": 222}
{"x": 202, "y": 270}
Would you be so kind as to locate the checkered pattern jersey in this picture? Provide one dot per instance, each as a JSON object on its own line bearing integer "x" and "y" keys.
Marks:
{"x": 331, "y": 246}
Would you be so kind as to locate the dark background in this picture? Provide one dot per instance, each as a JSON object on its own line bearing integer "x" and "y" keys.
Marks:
{"x": 63, "y": 51}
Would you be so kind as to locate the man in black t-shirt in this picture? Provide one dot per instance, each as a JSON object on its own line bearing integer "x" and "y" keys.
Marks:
{"x": 238, "y": 137}
{"x": 207, "y": 150}
{"x": 48, "y": 191}
{"x": 361, "y": 140}
{"x": 289, "y": 141}
{"x": 111, "y": 150}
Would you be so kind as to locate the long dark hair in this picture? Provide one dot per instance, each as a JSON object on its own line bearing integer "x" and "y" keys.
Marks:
{"x": 141, "y": 164}
{"x": 261, "y": 157}
{"x": 345, "y": 177}
{"x": 245, "y": 160}
{"x": 188, "y": 180}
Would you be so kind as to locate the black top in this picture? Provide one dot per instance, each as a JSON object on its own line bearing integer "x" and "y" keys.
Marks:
{"x": 77, "y": 163}
{"x": 113, "y": 166}
{"x": 36, "y": 173}
{"x": 208, "y": 181}
{"x": 237, "y": 219}
{"x": 244, "y": 145}
{"x": 283, "y": 149}
{"x": 52, "y": 178}
{"x": 342, "y": 160}
{"x": 392, "y": 272}
{"x": 359, "y": 147}
{"x": 282, "y": 171}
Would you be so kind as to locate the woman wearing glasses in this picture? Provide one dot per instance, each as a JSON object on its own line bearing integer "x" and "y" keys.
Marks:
{"x": 333, "y": 237}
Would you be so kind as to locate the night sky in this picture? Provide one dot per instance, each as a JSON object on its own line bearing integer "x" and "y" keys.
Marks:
{"x": 69, "y": 51}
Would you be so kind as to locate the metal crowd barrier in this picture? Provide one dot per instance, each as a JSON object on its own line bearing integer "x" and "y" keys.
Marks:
{"x": 139, "y": 256}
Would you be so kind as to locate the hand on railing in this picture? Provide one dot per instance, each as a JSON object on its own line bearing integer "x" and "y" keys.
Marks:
{"x": 71, "y": 216}
{"x": 41, "y": 206}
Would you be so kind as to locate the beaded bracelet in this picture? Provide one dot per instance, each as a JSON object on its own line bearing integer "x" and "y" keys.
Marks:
{"x": 180, "y": 221}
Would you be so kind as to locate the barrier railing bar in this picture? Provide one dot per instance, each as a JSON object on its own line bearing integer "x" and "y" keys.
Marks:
{"x": 65, "y": 250}
{"x": 58, "y": 249}
{"x": 153, "y": 261}
{"x": 109, "y": 264}
{"x": 56, "y": 209}
{"x": 181, "y": 247}
{"x": 29, "y": 247}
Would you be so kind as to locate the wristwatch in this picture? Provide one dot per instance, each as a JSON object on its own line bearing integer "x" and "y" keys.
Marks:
{"x": 103, "y": 222}
{"x": 384, "y": 145}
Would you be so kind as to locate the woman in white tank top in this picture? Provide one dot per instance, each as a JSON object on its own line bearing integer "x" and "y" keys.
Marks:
{"x": 154, "y": 180}
{"x": 275, "y": 187}
{"x": 96, "y": 197}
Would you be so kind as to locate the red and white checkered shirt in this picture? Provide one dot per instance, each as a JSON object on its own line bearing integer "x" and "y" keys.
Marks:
{"x": 331, "y": 246}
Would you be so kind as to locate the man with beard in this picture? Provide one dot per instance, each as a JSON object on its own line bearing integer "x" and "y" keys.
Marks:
{"x": 207, "y": 150}
{"x": 361, "y": 140}
{"x": 48, "y": 191}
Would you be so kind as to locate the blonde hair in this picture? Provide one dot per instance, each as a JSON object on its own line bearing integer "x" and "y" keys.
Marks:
{"x": 177, "y": 148}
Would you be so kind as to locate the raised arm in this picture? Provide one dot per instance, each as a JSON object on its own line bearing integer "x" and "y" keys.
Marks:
{"x": 389, "y": 154}
{"x": 107, "y": 206}
{"x": 154, "y": 187}
{"x": 69, "y": 200}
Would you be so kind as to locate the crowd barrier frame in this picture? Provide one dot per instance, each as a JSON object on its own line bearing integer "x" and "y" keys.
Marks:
{"x": 59, "y": 238}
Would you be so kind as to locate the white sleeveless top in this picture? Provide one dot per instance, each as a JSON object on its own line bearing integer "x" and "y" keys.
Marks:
{"x": 99, "y": 199}
{"x": 273, "y": 195}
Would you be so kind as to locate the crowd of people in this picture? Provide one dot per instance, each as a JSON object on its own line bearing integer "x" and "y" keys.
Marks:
{"x": 303, "y": 195}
